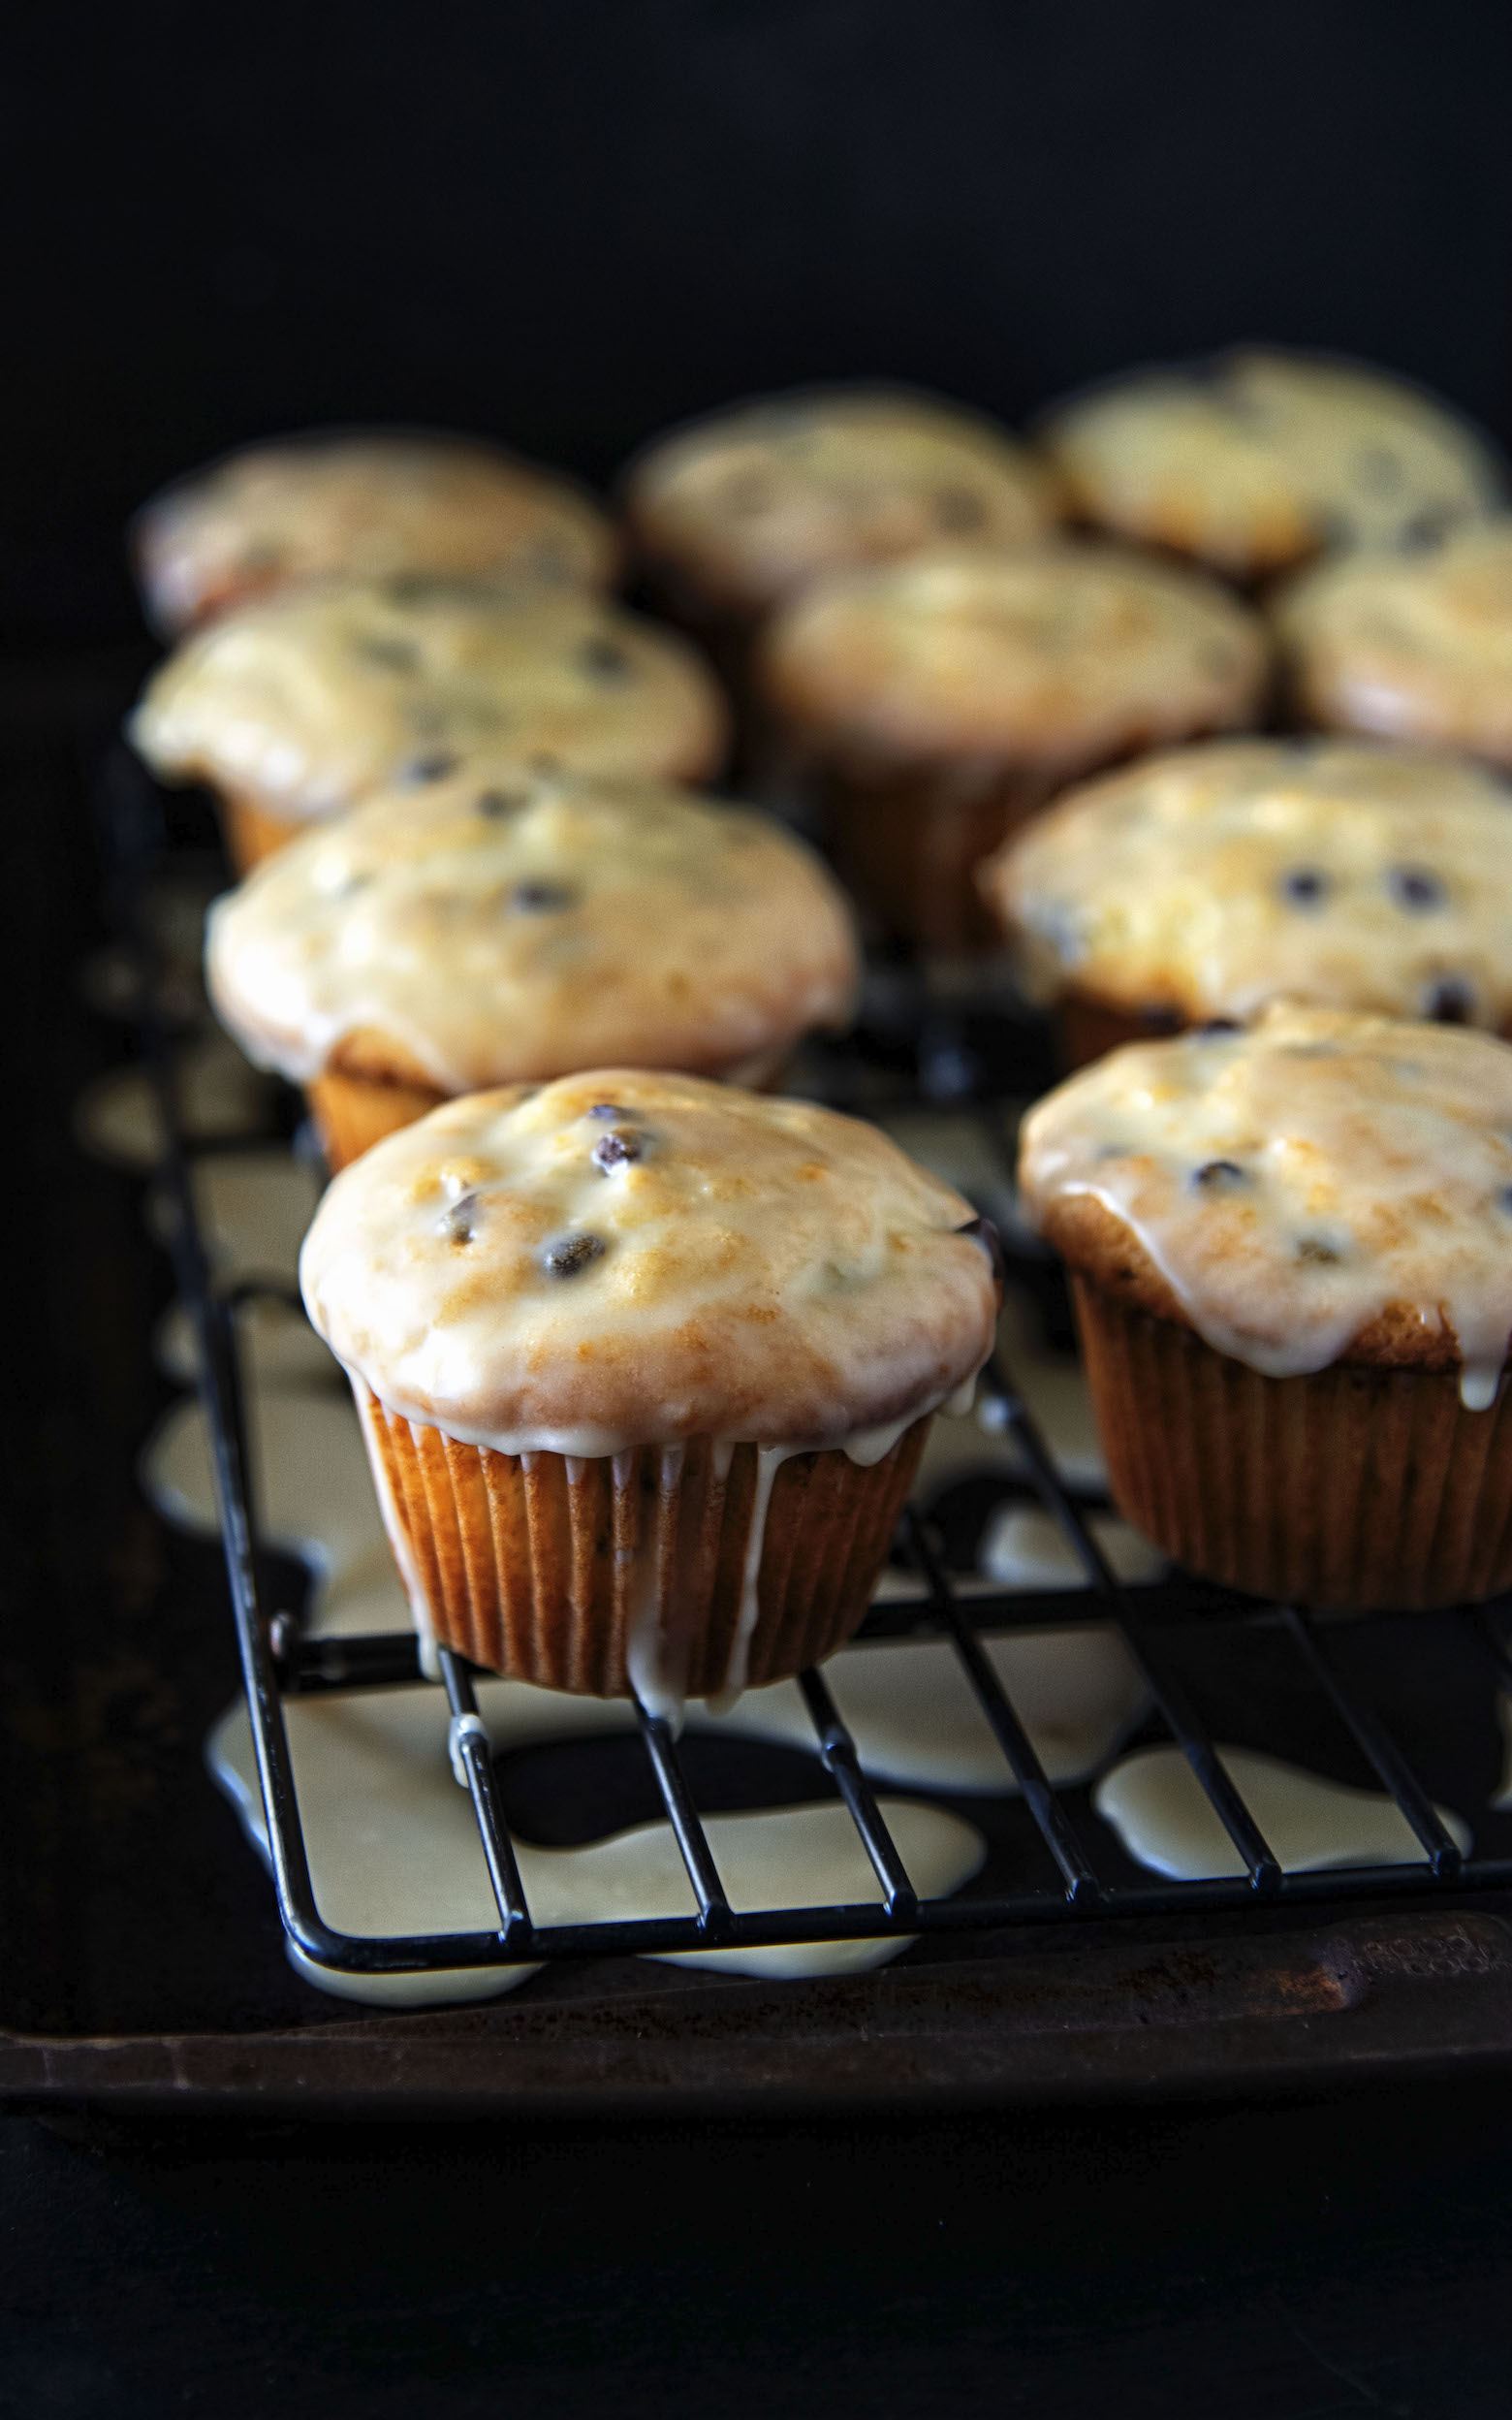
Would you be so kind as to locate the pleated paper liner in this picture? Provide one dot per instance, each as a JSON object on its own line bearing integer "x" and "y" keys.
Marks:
{"x": 250, "y": 832}
{"x": 908, "y": 838}
{"x": 1355, "y": 1488}
{"x": 587, "y": 1576}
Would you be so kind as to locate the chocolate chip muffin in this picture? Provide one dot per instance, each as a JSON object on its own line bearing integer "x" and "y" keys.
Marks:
{"x": 1414, "y": 647}
{"x": 1208, "y": 881}
{"x": 293, "y": 708}
{"x": 645, "y": 1365}
{"x": 941, "y": 700}
{"x": 501, "y": 927}
{"x": 1257, "y": 459}
{"x": 360, "y": 505}
{"x": 1291, "y": 1254}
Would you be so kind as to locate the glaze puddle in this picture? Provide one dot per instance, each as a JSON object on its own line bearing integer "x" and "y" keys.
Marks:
{"x": 1156, "y": 1803}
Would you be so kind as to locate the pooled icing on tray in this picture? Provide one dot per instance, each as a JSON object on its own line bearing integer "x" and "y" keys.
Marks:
{"x": 1293, "y": 1182}
{"x": 1161, "y": 1813}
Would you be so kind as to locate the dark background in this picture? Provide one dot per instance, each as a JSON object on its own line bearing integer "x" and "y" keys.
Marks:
{"x": 569, "y": 224}
{"x": 571, "y": 221}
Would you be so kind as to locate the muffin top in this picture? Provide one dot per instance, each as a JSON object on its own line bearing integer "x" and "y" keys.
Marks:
{"x": 333, "y": 689}
{"x": 1326, "y": 1186}
{"x": 751, "y": 503}
{"x": 1415, "y": 646}
{"x": 1215, "y": 878}
{"x": 622, "y": 1259}
{"x": 1058, "y": 656}
{"x": 497, "y": 927}
{"x": 1258, "y": 458}
{"x": 363, "y": 507}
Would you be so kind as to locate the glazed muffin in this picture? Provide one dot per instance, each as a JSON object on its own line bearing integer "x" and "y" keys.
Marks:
{"x": 360, "y": 505}
{"x": 501, "y": 928}
{"x": 1205, "y": 882}
{"x": 942, "y": 700}
{"x": 1258, "y": 460}
{"x": 1291, "y": 1255}
{"x": 739, "y": 510}
{"x": 293, "y": 708}
{"x": 1413, "y": 647}
{"x": 645, "y": 1365}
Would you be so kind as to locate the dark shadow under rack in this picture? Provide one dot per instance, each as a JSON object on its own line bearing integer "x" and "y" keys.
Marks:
{"x": 277, "y": 1660}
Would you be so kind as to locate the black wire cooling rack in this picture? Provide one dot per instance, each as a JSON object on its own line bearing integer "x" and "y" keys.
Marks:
{"x": 278, "y": 1661}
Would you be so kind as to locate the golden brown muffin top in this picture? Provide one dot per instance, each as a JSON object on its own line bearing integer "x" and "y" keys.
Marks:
{"x": 625, "y": 1259}
{"x": 499, "y": 927}
{"x": 307, "y": 702}
{"x": 1058, "y": 657}
{"x": 1213, "y": 878}
{"x": 749, "y": 504}
{"x": 1258, "y": 460}
{"x": 1414, "y": 647}
{"x": 360, "y": 506}
{"x": 1325, "y": 1187}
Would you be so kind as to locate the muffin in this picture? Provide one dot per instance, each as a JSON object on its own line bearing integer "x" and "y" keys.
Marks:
{"x": 293, "y": 708}
{"x": 362, "y": 506}
{"x": 501, "y": 928}
{"x": 1291, "y": 1255}
{"x": 942, "y": 700}
{"x": 1205, "y": 882}
{"x": 1413, "y": 647}
{"x": 1256, "y": 460}
{"x": 645, "y": 1365}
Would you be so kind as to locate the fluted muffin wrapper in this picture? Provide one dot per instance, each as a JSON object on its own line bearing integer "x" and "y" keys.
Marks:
{"x": 664, "y": 1572}
{"x": 1350, "y": 1489}
{"x": 250, "y": 832}
{"x": 908, "y": 840}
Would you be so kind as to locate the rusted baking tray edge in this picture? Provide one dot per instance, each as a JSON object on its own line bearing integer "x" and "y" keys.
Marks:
{"x": 1413, "y": 1995}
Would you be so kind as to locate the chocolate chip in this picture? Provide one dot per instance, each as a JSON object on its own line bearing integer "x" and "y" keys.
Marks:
{"x": 1220, "y": 1025}
{"x": 496, "y": 803}
{"x": 1427, "y": 529}
{"x": 982, "y": 1231}
{"x": 616, "y": 1149}
{"x": 541, "y": 898}
{"x": 1411, "y": 886}
{"x": 394, "y": 654}
{"x": 749, "y": 492}
{"x": 1311, "y": 1249}
{"x": 608, "y": 1109}
{"x": 1218, "y": 1175}
{"x": 958, "y": 509}
{"x": 604, "y": 660}
{"x": 459, "y": 1224}
{"x": 565, "y": 1254}
{"x": 1449, "y": 1003}
{"x": 1377, "y": 468}
{"x": 1505, "y": 1198}
{"x": 433, "y": 768}
{"x": 1304, "y": 886}
{"x": 1161, "y": 1018}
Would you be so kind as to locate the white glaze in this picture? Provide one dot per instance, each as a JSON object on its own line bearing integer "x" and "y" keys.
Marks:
{"x": 365, "y": 505}
{"x": 394, "y": 1848}
{"x": 678, "y": 931}
{"x": 1060, "y": 656}
{"x": 764, "y": 1271}
{"x": 1156, "y": 1805}
{"x": 1169, "y": 884}
{"x": 1375, "y": 1165}
{"x": 333, "y": 688}
{"x": 755, "y": 500}
{"x": 1261, "y": 457}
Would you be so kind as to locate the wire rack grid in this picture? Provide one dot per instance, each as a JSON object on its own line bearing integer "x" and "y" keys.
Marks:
{"x": 278, "y": 1661}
